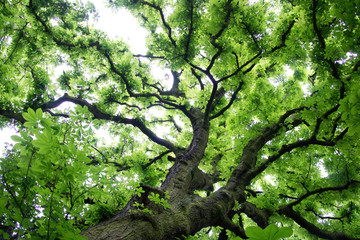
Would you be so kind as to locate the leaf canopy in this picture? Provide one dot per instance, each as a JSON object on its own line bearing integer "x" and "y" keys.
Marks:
{"x": 258, "y": 128}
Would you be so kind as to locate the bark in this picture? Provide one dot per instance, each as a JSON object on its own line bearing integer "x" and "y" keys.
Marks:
{"x": 189, "y": 212}
{"x": 187, "y": 216}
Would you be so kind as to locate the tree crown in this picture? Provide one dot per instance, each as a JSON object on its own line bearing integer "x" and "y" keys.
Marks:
{"x": 255, "y": 125}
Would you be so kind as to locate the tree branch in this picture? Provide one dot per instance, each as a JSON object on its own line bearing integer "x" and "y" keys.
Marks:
{"x": 260, "y": 216}
{"x": 12, "y": 115}
{"x": 218, "y": 34}
{"x": 166, "y": 25}
{"x": 241, "y": 67}
{"x": 327, "y": 217}
{"x": 311, "y": 228}
{"x": 209, "y": 105}
{"x": 245, "y": 171}
{"x": 125, "y": 104}
{"x": 171, "y": 119}
{"x": 321, "y": 190}
{"x": 104, "y": 116}
{"x": 232, "y": 99}
{"x": 120, "y": 167}
{"x": 47, "y": 29}
{"x": 286, "y": 148}
{"x": 190, "y": 30}
{"x": 148, "y": 56}
{"x": 233, "y": 96}
{"x": 321, "y": 39}
{"x": 198, "y": 77}
{"x": 142, "y": 95}
{"x": 153, "y": 160}
{"x": 104, "y": 52}
{"x": 283, "y": 37}
{"x": 251, "y": 34}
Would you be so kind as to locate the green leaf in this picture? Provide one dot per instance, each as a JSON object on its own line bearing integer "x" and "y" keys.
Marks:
{"x": 3, "y": 201}
{"x": 16, "y": 138}
{"x": 32, "y": 114}
{"x": 5, "y": 235}
{"x": 47, "y": 123}
{"x": 18, "y": 146}
{"x": 28, "y": 117}
{"x": 39, "y": 113}
{"x": 283, "y": 232}
{"x": 255, "y": 233}
{"x": 30, "y": 124}
{"x": 23, "y": 134}
{"x": 270, "y": 231}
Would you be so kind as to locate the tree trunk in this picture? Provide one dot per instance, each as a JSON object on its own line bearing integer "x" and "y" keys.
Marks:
{"x": 188, "y": 212}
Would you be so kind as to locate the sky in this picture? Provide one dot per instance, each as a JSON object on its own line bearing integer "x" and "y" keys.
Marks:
{"x": 120, "y": 24}
{"x": 117, "y": 24}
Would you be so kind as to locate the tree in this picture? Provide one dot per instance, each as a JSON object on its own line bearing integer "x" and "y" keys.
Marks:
{"x": 259, "y": 126}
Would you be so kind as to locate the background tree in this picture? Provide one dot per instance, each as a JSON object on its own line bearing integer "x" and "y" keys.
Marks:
{"x": 235, "y": 141}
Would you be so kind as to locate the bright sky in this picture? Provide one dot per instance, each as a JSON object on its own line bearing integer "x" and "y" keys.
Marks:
{"x": 119, "y": 24}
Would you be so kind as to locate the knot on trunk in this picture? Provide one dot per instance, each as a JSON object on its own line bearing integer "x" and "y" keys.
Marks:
{"x": 201, "y": 181}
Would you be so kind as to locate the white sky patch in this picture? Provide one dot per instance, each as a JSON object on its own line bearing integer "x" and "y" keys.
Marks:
{"x": 5, "y": 138}
{"x": 164, "y": 75}
{"x": 251, "y": 2}
{"x": 161, "y": 131}
{"x": 104, "y": 137}
{"x": 288, "y": 71}
{"x": 60, "y": 69}
{"x": 217, "y": 186}
{"x": 54, "y": 22}
{"x": 288, "y": 74}
{"x": 349, "y": 55}
{"x": 305, "y": 88}
{"x": 274, "y": 82}
{"x": 120, "y": 24}
{"x": 270, "y": 179}
{"x": 66, "y": 107}
{"x": 179, "y": 122}
{"x": 322, "y": 169}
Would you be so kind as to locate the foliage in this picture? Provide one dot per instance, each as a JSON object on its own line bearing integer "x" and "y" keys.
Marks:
{"x": 271, "y": 232}
{"x": 255, "y": 124}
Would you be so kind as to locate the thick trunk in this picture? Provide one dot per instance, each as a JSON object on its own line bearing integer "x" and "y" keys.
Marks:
{"x": 167, "y": 225}
{"x": 186, "y": 216}
{"x": 188, "y": 212}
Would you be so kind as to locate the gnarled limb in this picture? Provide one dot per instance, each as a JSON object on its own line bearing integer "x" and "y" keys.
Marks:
{"x": 311, "y": 228}
{"x": 118, "y": 119}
